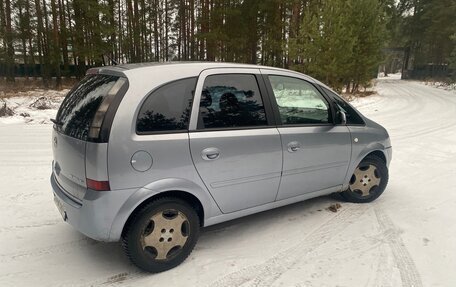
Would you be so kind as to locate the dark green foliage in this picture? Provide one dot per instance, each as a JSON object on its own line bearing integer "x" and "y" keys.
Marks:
{"x": 426, "y": 27}
{"x": 340, "y": 41}
{"x": 336, "y": 41}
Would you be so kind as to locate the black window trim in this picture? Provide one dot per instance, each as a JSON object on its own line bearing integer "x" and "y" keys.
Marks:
{"x": 149, "y": 94}
{"x": 274, "y": 105}
{"x": 108, "y": 119}
{"x": 233, "y": 129}
{"x": 335, "y": 106}
{"x": 270, "y": 118}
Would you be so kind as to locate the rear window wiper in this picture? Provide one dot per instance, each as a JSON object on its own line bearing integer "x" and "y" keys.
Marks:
{"x": 59, "y": 123}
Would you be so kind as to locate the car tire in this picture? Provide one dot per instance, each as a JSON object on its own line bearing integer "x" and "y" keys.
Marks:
{"x": 368, "y": 181}
{"x": 161, "y": 235}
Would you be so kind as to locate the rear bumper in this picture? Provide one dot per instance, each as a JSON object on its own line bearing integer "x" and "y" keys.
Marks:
{"x": 93, "y": 216}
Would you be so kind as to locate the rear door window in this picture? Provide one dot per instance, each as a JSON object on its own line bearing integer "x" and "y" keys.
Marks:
{"x": 231, "y": 101}
{"x": 167, "y": 108}
{"x": 81, "y": 104}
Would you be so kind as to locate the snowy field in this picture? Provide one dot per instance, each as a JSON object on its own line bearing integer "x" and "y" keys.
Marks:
{"x": 405, "y": 238}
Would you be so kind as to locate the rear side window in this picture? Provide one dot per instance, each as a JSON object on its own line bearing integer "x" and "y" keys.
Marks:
{"x": 77, "y": 111}
{"x": 167, "y": 108}
{"x": 230, "y": 101}
{"x": 353, "y": 118}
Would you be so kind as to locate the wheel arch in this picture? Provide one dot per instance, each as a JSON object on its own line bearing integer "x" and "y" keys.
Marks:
{"x": 378, "y": 153}
{"x": 179, "y": 188}
{"x": 189, "y": 198}
{"x": 375, "y": 149}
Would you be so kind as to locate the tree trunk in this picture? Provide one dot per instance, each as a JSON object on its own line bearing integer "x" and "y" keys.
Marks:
{"x": 29, "y": 38}
{"x": 79, "y": 38}
{"x": 63, "y": 37}
{"x": 156, "y": 35}
{"x": 22, "y": 27}
{"x": 210, "y": 42}
{"x": 204, "y": 28}
{"x": 70, "y": 32}
{"x": 166, "y": 53}
{"x": 130, "y": 29}
{"x": 56, "y": 46}
{"x": 120, "y": 30}
{"x": 192, "y": 29}
{"x": 40, "y": 42}
{"x": 136, "y": 32}
{"x": 9, "y": 43}
{"x": 46, "y": 46}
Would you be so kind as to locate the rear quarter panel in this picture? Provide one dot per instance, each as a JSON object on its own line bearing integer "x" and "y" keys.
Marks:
{"x": 172, "y": 166}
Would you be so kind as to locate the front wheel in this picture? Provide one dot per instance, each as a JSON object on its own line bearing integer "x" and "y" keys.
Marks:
{"x": 161, "y": 235}
{"x": 368, "y": 181}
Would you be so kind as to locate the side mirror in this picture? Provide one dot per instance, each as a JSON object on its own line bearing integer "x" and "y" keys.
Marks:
{"x": 342, "y": 117}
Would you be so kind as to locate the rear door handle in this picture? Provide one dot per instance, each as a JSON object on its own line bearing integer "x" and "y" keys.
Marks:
{"x": 293, "y": 146}
{"x": 210, "y": 153}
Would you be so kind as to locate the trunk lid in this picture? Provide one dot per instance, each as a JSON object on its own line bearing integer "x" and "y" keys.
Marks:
{"x": 69, "y": 165}
{"x": 84, "y": 118}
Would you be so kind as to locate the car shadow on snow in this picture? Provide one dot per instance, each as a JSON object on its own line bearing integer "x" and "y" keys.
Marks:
{"x": 110, "y": 256}
{"x": 285, "y": 214}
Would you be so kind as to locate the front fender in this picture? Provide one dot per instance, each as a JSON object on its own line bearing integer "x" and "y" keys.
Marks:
{"x": 155, "y": 188}
{"x": 359, "y": 155}
{"x": 366, "y": 139}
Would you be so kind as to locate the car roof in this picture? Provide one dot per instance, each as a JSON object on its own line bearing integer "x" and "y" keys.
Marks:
{"x": 195, "y": 64}
{"x": 198, "y": 67}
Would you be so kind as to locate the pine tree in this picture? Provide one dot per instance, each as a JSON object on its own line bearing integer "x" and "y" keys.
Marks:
{"x": 368, "y": 30}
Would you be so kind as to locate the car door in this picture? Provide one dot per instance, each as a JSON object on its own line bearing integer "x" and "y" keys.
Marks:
{"x": 235, "y": 149}
{"x": 316, "y": 153}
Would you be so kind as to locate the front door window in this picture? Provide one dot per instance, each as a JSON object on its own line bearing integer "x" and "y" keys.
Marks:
{"x": 299, "y": 102}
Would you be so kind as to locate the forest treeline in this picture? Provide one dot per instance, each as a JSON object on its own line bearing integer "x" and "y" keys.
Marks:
{"x": 340, "y": 42}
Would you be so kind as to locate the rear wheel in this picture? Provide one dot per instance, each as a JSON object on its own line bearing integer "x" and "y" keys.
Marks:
{"x": 368, "y": 181}
{"x": 161, "y": 235}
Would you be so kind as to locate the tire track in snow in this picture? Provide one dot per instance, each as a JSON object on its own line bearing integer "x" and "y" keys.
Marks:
{"x": 264, "y": 274}
{"x": 36, "y": 225}
{"x": 52, "y": 249}
{"x": 404, "y": 262}
{"x": 384, "y": 271}
{"x": 440, "y": 109}
{"x": 418, "y": 108}
{"x": 363, "y": 244}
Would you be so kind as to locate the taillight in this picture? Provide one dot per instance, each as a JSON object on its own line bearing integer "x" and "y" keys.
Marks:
{"x": 95, "y": 127}
{"x": 98, "y": 185}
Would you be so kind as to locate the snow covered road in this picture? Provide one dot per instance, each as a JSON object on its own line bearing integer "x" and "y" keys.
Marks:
{"x": 405, "y": 238}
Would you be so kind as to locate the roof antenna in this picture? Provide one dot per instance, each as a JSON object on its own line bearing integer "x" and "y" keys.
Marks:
{"x": 109, "y": 59}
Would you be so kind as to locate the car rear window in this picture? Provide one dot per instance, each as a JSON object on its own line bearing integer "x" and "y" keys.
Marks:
{"x": 167, "y": 109}
{"x": 81, "y": 104}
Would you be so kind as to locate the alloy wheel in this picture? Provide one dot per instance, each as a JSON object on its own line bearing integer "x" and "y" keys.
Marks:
{"x": 165, "y": 234}
{"x": 364, "y": 180}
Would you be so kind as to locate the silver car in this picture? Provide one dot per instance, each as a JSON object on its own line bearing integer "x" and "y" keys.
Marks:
{"x": 147, "y": 154}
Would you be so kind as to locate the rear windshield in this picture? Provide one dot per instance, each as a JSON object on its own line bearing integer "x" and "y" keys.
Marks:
{"x": 80, "y": 105}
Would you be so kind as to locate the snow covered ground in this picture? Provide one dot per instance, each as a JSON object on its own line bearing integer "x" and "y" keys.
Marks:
{"x": 442, "y": 85}
{"x": 33, "y": 107}
{"x": 405, "y": 238}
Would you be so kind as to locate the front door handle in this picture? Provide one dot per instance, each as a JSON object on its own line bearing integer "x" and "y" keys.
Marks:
{"x": 293, "y": 146}
{"x": 210, "y": 153}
